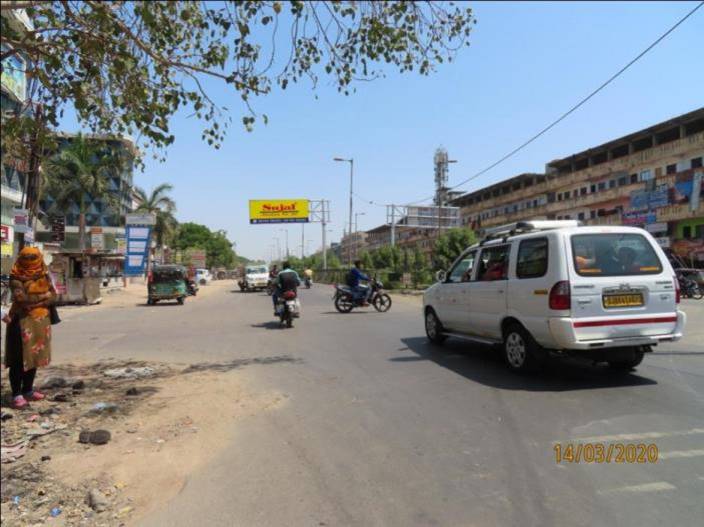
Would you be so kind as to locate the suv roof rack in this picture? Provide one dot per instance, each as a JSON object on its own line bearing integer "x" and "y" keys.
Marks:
{"x": 520, "y": 227}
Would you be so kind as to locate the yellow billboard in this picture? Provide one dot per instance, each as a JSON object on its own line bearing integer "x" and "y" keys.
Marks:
{"x": 278, "y": 211}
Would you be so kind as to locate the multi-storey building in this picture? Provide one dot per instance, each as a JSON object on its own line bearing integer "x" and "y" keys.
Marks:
{"x": 651, "y": 178}
{"x": 352, "y": 245}
{"x": 100, "y": 213}
{"x": 13, "y": 99}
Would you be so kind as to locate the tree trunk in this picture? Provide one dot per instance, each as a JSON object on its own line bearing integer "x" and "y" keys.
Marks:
{"x": 82, "y": 231}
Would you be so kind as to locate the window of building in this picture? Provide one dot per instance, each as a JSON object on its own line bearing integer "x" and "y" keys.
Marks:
{"x": 697, "y": 162}
{"x": 646, "y": 175}
{"x": 592, "y": 188}
{"x": 612, "y": 183}
{"x": 671, "y": 169}
{"x": 623, "y": 180}
{"x": 687, "y": 232}
{"x": 580, "y": 216}
{"x": 592, "y": 214}
{"x": 559, "y": 197}
{"x": 583, "y": 191}
{"x": 634, "y": 178}
{"x": 602, "y": 185}
{"x": 532, "y": 258}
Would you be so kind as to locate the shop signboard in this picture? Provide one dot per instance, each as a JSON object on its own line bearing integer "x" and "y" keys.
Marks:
{"x": 137, "y": 249}
{"x": 278, "y": 211}
{"x": 683, "y": 191}
{"x": 14, "y": 75}
{"x": 638, "y": 218}
{"x": 58, "y": 228}
{"x": 5, "y": 233}
{"x": 29, "y": 236}
{"x": 21, "y": 220}
{"x": 656, "y": 227}
{"x": 121, "y": 245}
{"x": 140, "y": 218}
{"x": 196, "y": 258}
{"x": 650, "y": 199}
{"x": 663, "y": 242}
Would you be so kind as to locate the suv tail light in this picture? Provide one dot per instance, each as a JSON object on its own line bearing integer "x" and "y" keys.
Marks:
{"x": 560, "y": 297}
{"x": 677, "y": 289}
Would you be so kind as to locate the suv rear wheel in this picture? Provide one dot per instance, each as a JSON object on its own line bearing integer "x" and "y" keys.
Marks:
{"x": 628, "y": 365}
{"x": 519, "y": 349}
{"x": 433, "y": 327}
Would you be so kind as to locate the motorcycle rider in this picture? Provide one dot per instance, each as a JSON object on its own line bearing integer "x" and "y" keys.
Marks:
{"x": 273, "y": 271}
{"x": 308, "y": 276}
{"x": 286, "y": 280}
{"x": 354, "y": 277}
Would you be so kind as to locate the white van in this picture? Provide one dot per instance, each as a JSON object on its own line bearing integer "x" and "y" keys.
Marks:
{"x": 606, "y": 293}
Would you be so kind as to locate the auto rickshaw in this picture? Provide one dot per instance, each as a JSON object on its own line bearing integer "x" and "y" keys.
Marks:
{"x": 167, "y": 282}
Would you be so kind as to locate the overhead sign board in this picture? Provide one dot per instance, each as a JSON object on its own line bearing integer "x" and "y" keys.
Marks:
{"x": 140, "y": 218}
{"x": 278, "y": 211}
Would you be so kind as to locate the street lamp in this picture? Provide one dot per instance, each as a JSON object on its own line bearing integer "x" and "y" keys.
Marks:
{"x": 351, "y": 162}
{"x": 278, "y": 247}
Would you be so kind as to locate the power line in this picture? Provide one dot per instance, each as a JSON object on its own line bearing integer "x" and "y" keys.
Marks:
{"x": 575, "y": 107}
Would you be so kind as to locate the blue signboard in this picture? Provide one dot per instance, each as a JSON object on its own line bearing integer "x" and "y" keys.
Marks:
{"x": 649, "y": 200}
{"x": 138, "y": 237}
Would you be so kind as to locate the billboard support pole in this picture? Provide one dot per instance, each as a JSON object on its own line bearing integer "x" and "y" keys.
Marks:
{"x": 325, "y": 247}
{"x": 393, "y": 225}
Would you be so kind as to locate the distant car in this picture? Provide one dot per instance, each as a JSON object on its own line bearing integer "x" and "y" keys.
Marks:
{"x": 203, "y": 276}
{"x": 255, "y": 278}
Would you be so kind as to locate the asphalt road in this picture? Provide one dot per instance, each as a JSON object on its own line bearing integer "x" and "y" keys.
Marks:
{"x": 381, "y": 428}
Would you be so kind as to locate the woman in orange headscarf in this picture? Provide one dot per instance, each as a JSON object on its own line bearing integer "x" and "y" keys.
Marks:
{"x": 28, "y": 336}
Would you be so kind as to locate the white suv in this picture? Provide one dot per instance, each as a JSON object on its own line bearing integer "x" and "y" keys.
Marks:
{"x": 606, "y": 293}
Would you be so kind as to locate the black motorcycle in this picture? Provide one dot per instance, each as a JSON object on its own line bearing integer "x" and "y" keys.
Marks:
{"x": 307, "y": 282}
{"x": 287, "y": 308}
{"x": 191, "y": 287}
{"x": 690, "y": 289}
{"x": 346, "y": 299}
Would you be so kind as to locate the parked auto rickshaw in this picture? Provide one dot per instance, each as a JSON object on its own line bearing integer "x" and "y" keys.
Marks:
{"x": 167, "y": 282}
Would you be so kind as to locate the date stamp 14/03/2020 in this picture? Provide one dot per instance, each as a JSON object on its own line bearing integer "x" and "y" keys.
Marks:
{"x": 605, "y": 453}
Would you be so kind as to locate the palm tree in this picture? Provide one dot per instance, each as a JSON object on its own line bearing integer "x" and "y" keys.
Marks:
{"x": 81, "y": 173}
{"x": 159, "y": 203}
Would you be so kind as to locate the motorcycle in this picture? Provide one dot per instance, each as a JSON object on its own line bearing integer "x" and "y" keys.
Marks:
{"x": 690, "y": 289}
{"x": 346, "y": 300}
{"x": 308, "y": 282}
{"x": 288, "y": 307}
{"x": 191, "y": 288}
{"x": 271, "y": 286}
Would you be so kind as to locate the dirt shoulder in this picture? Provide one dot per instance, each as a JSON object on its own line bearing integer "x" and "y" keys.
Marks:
{"x": 135, "y": 294}
{"x": 163, "y": 421}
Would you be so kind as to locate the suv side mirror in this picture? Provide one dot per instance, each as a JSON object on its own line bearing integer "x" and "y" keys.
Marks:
{"x": 440, "y": 276}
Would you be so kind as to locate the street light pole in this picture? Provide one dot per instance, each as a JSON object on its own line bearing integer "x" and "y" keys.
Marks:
{"x": 356, "y": 232}
{"x": 351, "y": 162}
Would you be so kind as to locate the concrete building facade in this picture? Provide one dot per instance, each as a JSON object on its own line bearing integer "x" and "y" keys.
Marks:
{"x": 651, "y": 179}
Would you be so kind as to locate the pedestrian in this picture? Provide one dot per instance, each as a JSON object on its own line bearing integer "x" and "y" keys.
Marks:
{"x": 28, "y": 335}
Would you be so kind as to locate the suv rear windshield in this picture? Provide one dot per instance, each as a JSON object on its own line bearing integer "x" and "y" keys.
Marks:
{"x": 614, "y": 255}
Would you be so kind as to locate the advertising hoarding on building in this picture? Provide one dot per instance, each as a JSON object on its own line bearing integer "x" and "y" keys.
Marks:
{"x": 278, "y": 211}
{"x": 21, "y": 220}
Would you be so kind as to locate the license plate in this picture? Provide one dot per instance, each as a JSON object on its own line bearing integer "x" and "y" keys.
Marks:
{"x": 628, "y": 300}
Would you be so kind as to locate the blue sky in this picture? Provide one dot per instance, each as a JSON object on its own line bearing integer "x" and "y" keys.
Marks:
{"x": 528, "y": 63}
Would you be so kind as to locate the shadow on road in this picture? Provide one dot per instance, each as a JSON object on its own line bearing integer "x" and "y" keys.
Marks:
{"x": 166, "y": 303}
{"x": 239, "y": 363}
{"x": 272, "y": 324}
{"x": 367, "y": 312}
{"x": 484, "y": 365}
